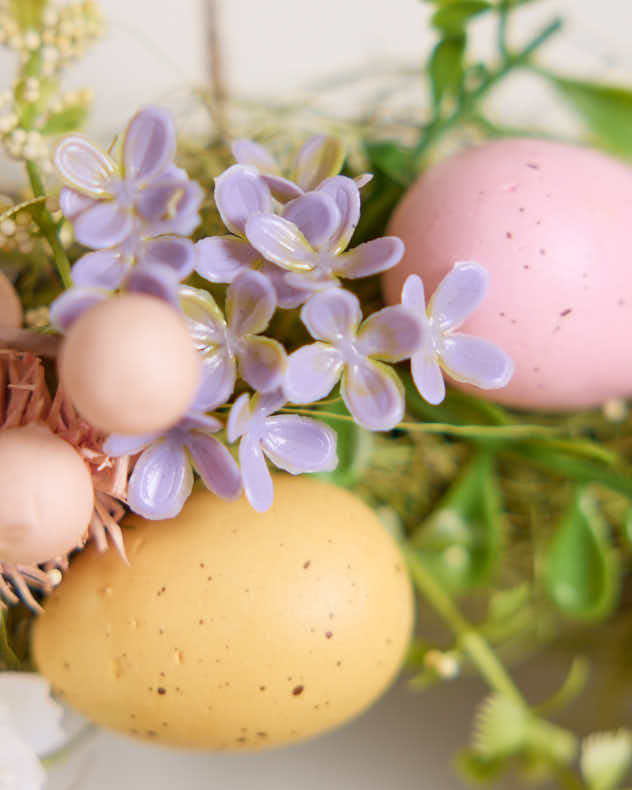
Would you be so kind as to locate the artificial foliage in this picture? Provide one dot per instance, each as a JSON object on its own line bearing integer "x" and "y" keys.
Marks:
{"x": 517, "y": 527}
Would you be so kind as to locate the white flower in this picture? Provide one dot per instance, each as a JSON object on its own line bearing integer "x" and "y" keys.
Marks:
{"x": 29, "y": 728}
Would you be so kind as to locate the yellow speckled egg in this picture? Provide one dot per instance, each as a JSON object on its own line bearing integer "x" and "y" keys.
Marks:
{"x": 233, "y": 629}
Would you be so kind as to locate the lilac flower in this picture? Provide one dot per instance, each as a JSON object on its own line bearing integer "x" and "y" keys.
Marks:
{"x": 463, "y": 357}
{"x": 310, "y": 238}
{"x": 228, "y": 345}
{"x": 319, "y": 158}
{"x": 163, "y": 476}
{"x": 153, "y": 279}
{"x": 301, "y": 252}
{"x": 117, "y": 208}
{"x": 295, "y": 444}
{"x": 371, "y": 390}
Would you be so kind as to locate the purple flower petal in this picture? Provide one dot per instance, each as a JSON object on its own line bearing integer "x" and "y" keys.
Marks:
{"x": 363, "y": 180}
{"x": 221, "y": 258}
{"x": 196, "y": 421}
{"x": 161, "y": 481}
{"x": 319, "y": 158}
{"x": 72, "y": 303}
{"x": 346, "y": 194}
{"x": 266, "y": 403}
{"x": 373, "y": 394}
{"x": 159, "y": 201}
{"x": 183, "y": 215}
{"x": 102, "y": 269}
{"x": 457, "y": 296}
{"x": 391, "y": 334}
{"x": 475, "y": 361}
{"x": 215, "y": 465}
{"x": 316, "y": 215}
{"x": 262, "y": 363}
{"x": 72, "y": 203}
{"x": 149, "y": 144}
{"x": 250, "y": 303}
{"x": 428, "y": 377}
{"x": 312, "y": 372}
{"x": 280, "y": 188}
{"x": 118, "y": 444}
{"x": 280, "y": 242}
{"x": 312, "y": 282}
{"x": 370, "y": 258}
{"x": 203, "y": 317}
{"x": 332, "y": 315}
{"x": 413, "y": 295}
{"x": 217, "y": 383}
{"x": 251, "y": 154}
{"x": 84, "y": 167}
{"x": 239, "y": 194}
{"x": 176, "y": 253}
{"x": 103, "y": 225}
{"x": 154, "y": 279}
{"x": 239, "y": 418}
{"x": 299, "y": 444}
{"x": 255, "y": 474}
{"x": 288, "y": 295}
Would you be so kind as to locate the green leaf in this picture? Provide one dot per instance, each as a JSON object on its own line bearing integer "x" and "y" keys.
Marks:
{"x": 581, "y": 572}
{"x": 453, "y": 17}
{"x": 582, "y": 470}
{"x": 606, "y": 110}
{"x": 606, "y": 758}
{"x": 445, "y": 67}
{"x": 67, "y": 120}
{"x": 461, "y": 540}
{"x": 355, "y": 446}
{"x": 480, "y": 768}
{"x": 393, "y": 159}
{"x": 500, "y": 727}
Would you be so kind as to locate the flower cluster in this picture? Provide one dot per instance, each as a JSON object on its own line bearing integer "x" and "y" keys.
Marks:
{"x": 47, "y": 38}
{"x": 135, "y": 214}
{"x": 287, "y": 247}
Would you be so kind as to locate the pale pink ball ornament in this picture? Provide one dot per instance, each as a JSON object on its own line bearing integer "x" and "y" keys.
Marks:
{"x": 10, "y": 307}
{"x": 129, "y": 365}
{"x": 46, "y": 496}
{"x": 552, "y": 224}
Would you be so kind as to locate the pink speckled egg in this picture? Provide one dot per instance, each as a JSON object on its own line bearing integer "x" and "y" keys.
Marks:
{"x": 552, "y": 224}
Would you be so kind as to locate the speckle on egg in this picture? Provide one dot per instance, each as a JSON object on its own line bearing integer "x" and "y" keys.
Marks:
{"x": 570, "y": 208}
{"x": 276, "y": 643}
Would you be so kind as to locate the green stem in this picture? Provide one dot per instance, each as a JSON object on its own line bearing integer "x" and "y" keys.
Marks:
{"x": 480, "y": 653}
{"x": 470, "y": 100}
{"x": 471, "y": 431}
{"x": 47, "y": 226}
{"x": 501, "y": 37}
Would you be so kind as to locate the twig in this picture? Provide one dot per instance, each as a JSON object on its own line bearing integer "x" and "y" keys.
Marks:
{"x": 27, "y": 340}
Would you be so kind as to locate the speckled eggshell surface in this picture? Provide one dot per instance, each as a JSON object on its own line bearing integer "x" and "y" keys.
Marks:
{"x": 233, "y": 629}
{"x": 552, "y": 224}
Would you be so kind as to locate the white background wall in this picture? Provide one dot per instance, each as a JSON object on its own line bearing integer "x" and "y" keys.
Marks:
{"x": 156, "y": 52}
